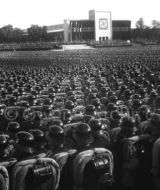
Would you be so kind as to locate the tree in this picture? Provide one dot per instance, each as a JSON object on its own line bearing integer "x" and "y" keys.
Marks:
{"x": 155, "y": 24}
{"x": 18, "y": 34}
{"x": 36, "y": 32}
{"x": 7, "y": 32}
{"x": 140, "y": 23}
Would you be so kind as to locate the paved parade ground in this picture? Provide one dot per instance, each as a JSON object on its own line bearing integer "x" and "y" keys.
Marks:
{"x": 75, "y": 47}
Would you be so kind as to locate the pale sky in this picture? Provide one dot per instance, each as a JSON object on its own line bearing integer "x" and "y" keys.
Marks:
{"x": 23, "y": 13}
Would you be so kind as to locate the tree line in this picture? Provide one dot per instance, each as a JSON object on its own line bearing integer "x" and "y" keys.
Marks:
{"x": 34, "y": 33}
{"x": 39, "y": 33}
{"x": 143, "y": 31}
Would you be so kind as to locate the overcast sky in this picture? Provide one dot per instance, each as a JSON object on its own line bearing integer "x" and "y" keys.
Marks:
{"x": 23, "y": 13}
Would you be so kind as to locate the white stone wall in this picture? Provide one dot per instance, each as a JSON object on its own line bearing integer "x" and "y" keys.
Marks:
{"x": 103, "y": 25}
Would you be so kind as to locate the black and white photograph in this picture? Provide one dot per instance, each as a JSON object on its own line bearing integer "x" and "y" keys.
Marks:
{"x": 79, "y": 95}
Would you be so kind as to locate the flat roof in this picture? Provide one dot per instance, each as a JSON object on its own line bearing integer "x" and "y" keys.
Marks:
{"x": 55, "y": 28}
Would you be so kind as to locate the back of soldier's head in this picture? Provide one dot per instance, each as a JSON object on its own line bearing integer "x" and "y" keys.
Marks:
{"x": 155, "y": 125}
{"x": 83, "y": 134}
{"x": 3, "y": 146}
{"x": 39, "y": 138}
{"x": 95, "y": 124}
{"x": 24, "y": 144}
{"x": 55, "y": 136}
{"x": 13, "y": 128}
{"x": 128, "y": 126}
{"x": 90, "y": 110}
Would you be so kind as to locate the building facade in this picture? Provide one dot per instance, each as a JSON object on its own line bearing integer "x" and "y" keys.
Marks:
{"x": 121, "y": 29}
{"x": 103, "y": 24}
{"x": 99, "y": 27}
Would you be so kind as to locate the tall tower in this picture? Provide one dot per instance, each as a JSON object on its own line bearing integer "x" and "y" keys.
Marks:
{"x": 67, "y": 31}
{"x": 103, "y": 24}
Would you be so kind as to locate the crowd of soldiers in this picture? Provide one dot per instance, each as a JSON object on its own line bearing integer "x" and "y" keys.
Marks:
{"x": 91, "y": 124}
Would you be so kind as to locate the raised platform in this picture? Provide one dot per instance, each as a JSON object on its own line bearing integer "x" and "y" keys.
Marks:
{"x": 76, "y": 47}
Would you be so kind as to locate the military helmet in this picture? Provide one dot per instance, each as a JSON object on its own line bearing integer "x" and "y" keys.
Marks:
{"x": 95, "y": 124}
